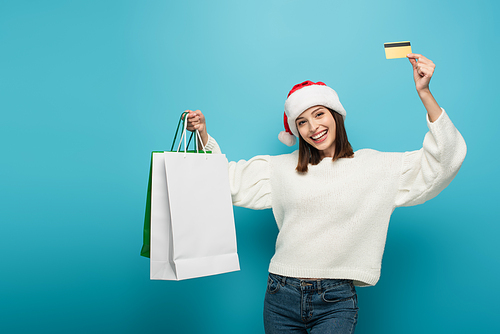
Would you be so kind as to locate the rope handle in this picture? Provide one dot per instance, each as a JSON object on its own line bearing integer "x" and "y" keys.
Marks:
{"x": 181, "y": 119}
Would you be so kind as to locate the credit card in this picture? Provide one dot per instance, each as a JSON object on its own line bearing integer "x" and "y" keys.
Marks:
{"x": 397, "y": 49}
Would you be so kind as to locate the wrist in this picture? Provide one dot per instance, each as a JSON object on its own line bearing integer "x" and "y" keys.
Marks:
{"x": 424, "y": 92}
{"x": 204, "y": 136}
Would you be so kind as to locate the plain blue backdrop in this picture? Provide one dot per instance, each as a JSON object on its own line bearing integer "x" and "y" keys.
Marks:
{"x": 89, "y": 88}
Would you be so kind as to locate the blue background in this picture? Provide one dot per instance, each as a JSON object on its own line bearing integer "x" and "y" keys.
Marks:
{"x": 89, "y": 88}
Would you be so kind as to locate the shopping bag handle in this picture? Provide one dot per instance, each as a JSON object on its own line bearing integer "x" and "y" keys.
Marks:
{"x": 201, "y": 141}
{"x": 186, "y": 145}
{"x": 181, "y": 119}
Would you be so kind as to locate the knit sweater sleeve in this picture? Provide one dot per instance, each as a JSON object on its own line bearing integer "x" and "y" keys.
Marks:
{"x": 250, "y": 183}
{"x": 249, "y": 180}
{"x": 212, "y": 146}
{"x": 426, "y": 172}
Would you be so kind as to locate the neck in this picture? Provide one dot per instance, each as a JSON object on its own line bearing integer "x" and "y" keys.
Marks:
{"x": 329, "y": 153}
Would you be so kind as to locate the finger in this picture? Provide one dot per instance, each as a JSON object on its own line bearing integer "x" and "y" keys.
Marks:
{"x": 427, "y": 74}
{"x": 422, "y": 69}
{"x": 414, "y": 55}
{"x": 424, "y": 60}
{"x": 193, "y": 118}
{"x": 413, "y": 62}
{"x": 429, "y": 68}
{"x": 426, "y": 71}
{"x": 199, "y": 115}
{"x": 420, "y": 60}
{"x": 427, "y": 63}
{"x": 188, "y": 112}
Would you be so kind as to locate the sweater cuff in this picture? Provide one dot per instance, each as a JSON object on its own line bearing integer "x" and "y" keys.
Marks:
{"x": 212, "y": 145}
{"x": 443, "y": 115}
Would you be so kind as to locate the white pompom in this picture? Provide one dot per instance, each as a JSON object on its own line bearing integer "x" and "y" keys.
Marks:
{"x": 287, "y": 138}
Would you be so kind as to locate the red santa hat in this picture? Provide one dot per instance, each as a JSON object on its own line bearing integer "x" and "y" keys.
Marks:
{"x": 302, "y": 97}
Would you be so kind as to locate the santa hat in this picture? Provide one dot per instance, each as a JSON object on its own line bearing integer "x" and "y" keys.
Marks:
{"x": 302, "y": 97}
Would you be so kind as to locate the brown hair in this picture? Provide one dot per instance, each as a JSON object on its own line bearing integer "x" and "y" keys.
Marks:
{"x": 310, "y": 155}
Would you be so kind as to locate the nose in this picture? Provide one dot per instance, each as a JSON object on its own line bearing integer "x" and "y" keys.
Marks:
{"x": 313, "y": 126}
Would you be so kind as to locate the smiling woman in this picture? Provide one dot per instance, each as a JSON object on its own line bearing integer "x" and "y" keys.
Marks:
{"x": 329, "y": 138}
{"x": 333, "y": 214}
{"x": 317, "y": 127}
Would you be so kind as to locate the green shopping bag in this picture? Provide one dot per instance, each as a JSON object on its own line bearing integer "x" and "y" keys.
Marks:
{"x": 145, "y": 250}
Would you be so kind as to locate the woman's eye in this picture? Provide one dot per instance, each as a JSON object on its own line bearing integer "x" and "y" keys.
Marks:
{"x": 320, "y": 114}
{"x": 301, "y": 122}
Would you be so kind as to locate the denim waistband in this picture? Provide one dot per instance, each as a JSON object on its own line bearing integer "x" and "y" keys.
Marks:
{"x": 313, "y": 284}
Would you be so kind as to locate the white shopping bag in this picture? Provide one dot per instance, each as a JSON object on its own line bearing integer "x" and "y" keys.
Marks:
{"x": 192, "y": 223}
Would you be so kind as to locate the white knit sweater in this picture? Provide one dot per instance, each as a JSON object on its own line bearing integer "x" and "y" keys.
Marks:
{"x": 333, "y": 220}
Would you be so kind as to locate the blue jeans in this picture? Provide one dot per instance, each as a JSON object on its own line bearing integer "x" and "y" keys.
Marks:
{"x": 322, "y": 306}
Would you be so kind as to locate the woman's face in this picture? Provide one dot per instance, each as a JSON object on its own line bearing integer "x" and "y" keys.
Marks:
{"x": 317, "y": 127}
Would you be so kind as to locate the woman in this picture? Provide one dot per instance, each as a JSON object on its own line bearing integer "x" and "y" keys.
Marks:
{"x": 333, "y": 206}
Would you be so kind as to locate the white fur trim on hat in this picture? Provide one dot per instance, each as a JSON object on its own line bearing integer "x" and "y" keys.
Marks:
{"x": 287, "y": 139}
{"x": 310, "y": 96}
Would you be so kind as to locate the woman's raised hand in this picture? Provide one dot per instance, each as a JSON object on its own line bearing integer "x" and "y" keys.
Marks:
{"x": 196, "y": 121}
{"x": 423, "y": 69}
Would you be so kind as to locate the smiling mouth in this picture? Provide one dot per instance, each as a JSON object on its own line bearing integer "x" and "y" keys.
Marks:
{"x": 320, "y": 136}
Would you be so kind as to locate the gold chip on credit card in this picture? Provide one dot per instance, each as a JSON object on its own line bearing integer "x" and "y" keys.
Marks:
{"x": 397, "y": 49}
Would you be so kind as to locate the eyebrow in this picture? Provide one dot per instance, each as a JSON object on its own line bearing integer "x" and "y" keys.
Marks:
{"x": 319, "y": 107}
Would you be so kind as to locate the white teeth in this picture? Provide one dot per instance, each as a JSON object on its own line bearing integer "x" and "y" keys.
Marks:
{"x": 319, "y": 135}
